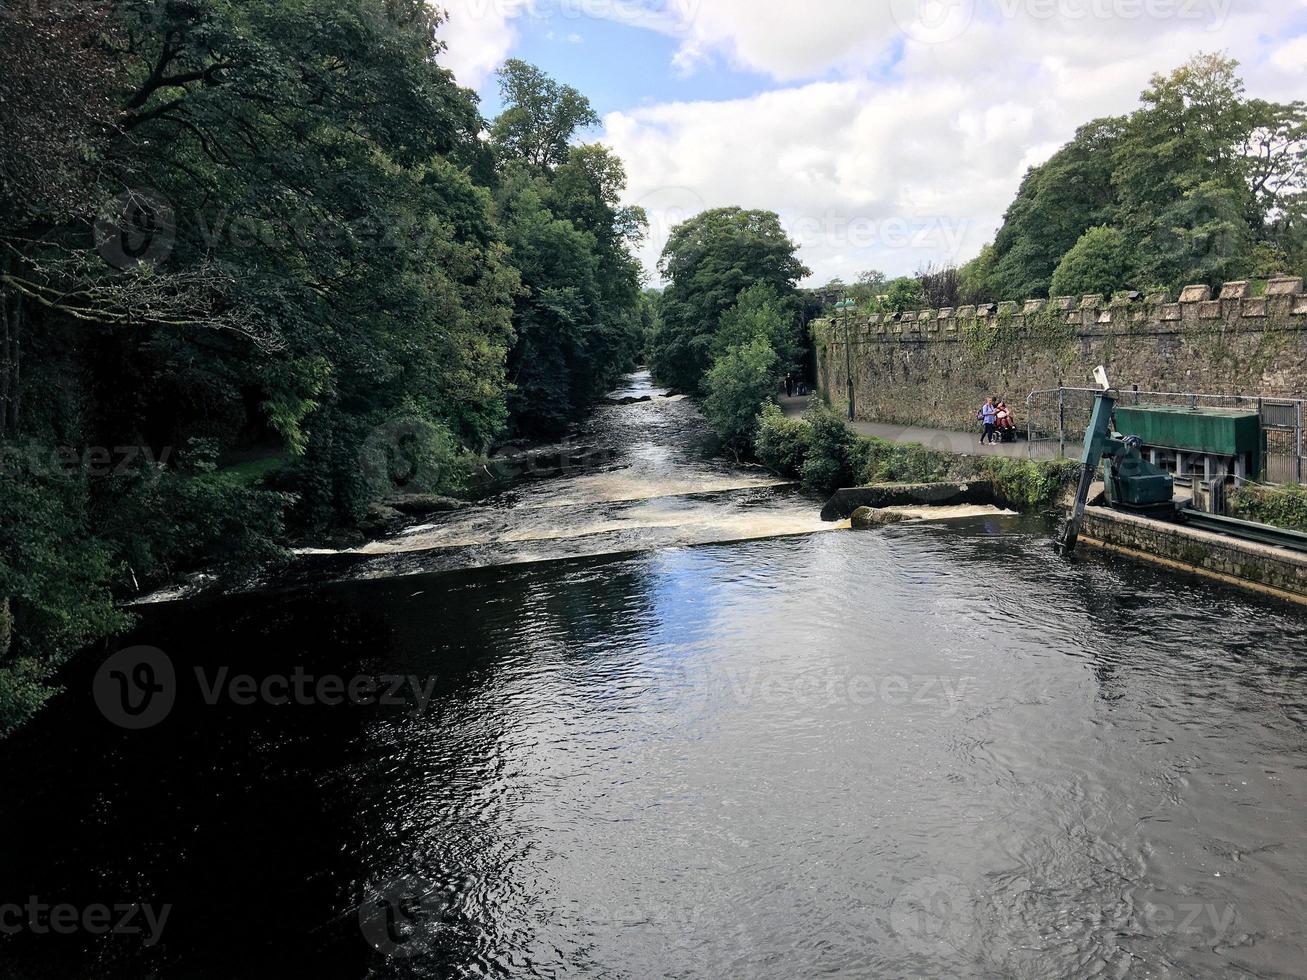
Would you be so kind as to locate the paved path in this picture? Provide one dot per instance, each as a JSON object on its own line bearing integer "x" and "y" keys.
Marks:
{"x": 960, "y": 443}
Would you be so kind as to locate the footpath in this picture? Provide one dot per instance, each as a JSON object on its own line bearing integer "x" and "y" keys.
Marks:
{"x": 958, "y": 443}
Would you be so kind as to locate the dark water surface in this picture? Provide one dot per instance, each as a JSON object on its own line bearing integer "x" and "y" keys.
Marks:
{"x": 940, "y": 750}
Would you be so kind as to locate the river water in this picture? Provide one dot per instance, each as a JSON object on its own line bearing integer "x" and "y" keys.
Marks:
{"x": 683, "y": 737}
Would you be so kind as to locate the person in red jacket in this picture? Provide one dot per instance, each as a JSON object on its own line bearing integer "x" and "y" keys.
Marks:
{"x": 1006, "y": 423}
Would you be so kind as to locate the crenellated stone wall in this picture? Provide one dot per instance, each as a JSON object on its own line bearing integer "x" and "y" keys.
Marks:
{"x": 935, "y": 367}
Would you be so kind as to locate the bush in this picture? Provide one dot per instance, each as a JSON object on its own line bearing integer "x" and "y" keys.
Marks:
{"x": 893, "y": 462}
{"x": 1100, "y": 262}
{"x": 822, "y": 449}
{"x": 738, "y": 385}
{"x": 54, "y": 587}
{"x": 832, "y": 451}
{"x": 1030, "y": 484}
{"x": 782, "y": 443}
{"x": 1284, "y": 507}
{"x": 163, "y": 521}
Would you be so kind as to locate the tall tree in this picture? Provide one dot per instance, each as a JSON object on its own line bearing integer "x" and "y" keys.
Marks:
{"x": 578, "y": 318}
{"x": 1058, "y": 201}
{"x": 541, "y": 117}
{"x": 708, "y": 261}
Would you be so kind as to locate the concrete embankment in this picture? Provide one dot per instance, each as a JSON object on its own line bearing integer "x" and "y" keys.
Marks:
{"x": 1280, "y": 572}
{"x": 976, "y": 493}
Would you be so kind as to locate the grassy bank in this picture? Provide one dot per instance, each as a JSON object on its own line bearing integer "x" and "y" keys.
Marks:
{"x": 823, "y": 452}
{"x": 1284, "y": 507}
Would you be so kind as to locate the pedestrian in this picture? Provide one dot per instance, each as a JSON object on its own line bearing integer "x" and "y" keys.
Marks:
{"x": 988, "y": 416}
{"x": 789, "y": 385}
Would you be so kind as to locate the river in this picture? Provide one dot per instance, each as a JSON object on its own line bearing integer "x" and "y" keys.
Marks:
{"x": 646, "y": 722}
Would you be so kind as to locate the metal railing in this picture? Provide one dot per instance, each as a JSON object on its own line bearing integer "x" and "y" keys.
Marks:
{"x": 1056, "y": 419}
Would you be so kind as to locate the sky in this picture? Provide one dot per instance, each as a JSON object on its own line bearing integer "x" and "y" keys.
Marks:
{"x": 886, "y": 133}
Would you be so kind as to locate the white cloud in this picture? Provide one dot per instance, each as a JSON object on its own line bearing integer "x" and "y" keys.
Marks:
{"x": 1292, "y": 57}
{"x": 888, "y": 171}
{"x": 479, "y": 34}
{"x": 898, "y": 130}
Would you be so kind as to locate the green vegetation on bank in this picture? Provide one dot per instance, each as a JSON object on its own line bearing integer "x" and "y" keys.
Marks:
{"x": 732, "y": 276}
{"x": 823, "y": 452}
{"x": 1281, "y": 506}
{"x": 728, "y": 325}
{"x": 268, "y": 230}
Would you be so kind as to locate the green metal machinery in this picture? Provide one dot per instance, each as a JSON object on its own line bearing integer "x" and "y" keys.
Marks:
{"x": 1132, "y": 482}
{"x": 1211, "y": 441}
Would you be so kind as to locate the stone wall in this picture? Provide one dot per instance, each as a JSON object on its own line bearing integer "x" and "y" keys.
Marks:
{"x": 935, "y": 367}
{"x": 1247, "y": 564}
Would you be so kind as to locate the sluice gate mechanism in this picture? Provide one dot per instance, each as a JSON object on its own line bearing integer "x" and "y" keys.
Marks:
{"x": 1204, "y": 447}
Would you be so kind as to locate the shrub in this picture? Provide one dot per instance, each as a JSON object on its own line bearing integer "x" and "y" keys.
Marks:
{"x": 738, "y": 385}
{"x": 54, "y": 586}
{"x": 163, "y": 521}
{"x": 1284, "y": 507}
{"x": 832, "y": 451}
{"x": 893, "y": 462}
{"x": 1100, "y": 262}
{"x": 1029, "y": 484}
{"x": 782, "y": 443}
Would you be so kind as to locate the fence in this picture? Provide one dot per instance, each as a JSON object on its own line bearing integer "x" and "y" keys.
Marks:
{"x": 1057, "y": 419}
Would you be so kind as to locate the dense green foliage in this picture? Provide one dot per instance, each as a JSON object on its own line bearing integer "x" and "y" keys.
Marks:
{"x": 1098, "y": 263}
{"x": 258, "y": 269}
{"x": 728, "y": 326}
{"x": 819, "y": 448}
{"x": 1056, "y": 204}
{"x": 580, "y": 315}
{"x": 1279, "y": 506}
{"x": 739, "y": 383}
{"x": 708, "y": 262}
{"x": 782, "y": 443}
{"x": 1202, "y": 183}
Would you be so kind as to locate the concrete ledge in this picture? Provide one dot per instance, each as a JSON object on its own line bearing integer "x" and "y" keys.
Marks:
{"x": 1245, "y": 564}
{"x": 842, "y": 505}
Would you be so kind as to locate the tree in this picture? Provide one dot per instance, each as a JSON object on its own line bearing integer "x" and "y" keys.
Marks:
{"x": 1099, "y": 263}
{"x": 708, "y": 261}
{"x": 541, "y": 118}
{"x": 314, "y": 263}
{"x": 760, "y": 312}
{"x": 1058, "y": 201}
{"x": 869, "y": 286}
{"x": 902, "y": 295}
{"x": 1203, "y": 237}
{"x": 580, "y": 319}
{"x": 738, "y": 385}
{"x": 558, "y": 307}
{"x": 975, "y": 279}
{"x": 1204, "y": 182}
{"x": 941, "y": 285}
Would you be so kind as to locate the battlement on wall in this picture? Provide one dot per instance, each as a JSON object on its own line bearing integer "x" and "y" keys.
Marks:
{"x": 1283, "y": 304}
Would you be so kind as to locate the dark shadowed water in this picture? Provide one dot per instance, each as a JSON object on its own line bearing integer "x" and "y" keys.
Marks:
{"x": 941, "y": 750}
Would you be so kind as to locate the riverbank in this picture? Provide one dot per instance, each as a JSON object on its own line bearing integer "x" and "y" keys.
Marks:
{"x": 830, "y": 455}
